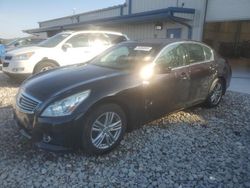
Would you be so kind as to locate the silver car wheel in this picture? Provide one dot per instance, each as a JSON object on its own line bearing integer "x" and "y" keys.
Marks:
{"x": 46, "y": 68}
{"x": 106, "y": 130}
{"x": 216, "y": 93}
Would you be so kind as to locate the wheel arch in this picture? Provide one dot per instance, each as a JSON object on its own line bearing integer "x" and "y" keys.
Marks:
{"x": 224, "y": 83}
{"x": 113, "y": 100}
{"x": 45, "y": 59}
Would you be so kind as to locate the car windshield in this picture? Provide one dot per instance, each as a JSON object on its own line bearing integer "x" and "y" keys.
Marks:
{"x": 12, "y": 43}
{"x": 126, "y": 56}
{"x": 53, "y": 41}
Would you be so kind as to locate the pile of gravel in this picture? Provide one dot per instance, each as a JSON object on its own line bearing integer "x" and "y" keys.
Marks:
{"x": 194, "y": 148}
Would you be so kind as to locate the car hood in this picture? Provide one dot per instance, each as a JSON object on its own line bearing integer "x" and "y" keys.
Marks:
{"x": 22, "y": 50}
{"x": 52, "y": 83}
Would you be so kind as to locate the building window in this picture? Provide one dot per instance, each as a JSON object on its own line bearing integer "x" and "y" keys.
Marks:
{"x": 174, "y": 33}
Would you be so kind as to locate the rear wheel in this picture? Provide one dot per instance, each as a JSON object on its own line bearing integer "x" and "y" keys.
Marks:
{"x": 215, "y": 94}
{"x": 104, "y": 129}
{"x": 44, "y": 66}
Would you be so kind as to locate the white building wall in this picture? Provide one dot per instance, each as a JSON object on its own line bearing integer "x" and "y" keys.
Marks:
{"x": 56, "y": 22}
{"x": 106, "y": 13}
{"x": 100, "y": 14}
{"x": 228, "y": 10}
{"x": 148, "y": 5}
{"x": 125, "y": 10}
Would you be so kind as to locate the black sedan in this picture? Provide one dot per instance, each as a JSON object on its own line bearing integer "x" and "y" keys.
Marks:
{"x": 92, "y": 105}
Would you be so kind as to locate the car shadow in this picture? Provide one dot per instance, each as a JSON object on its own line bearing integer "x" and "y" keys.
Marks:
{"x": 8, "y": 82}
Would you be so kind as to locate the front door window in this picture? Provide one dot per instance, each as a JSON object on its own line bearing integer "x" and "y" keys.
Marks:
{"x": 173, "y": 57}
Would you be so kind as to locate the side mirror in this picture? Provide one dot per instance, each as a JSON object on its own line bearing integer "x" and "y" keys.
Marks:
{"x": 162, "y": 69}
{"x": 66, "y": 46}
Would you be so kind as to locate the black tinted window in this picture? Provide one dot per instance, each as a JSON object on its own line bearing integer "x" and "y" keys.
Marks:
{"x": 195, "y": 53}
{"x": 173, "y": 56}
{"x": 115, "y": 39}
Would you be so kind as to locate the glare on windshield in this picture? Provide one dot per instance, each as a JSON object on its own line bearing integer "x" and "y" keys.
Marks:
{"x": 53, "y": 41}
{"x": 126, "y": 56}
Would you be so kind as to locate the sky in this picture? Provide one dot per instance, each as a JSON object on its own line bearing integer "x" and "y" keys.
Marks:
{"x": 18, "y": 15}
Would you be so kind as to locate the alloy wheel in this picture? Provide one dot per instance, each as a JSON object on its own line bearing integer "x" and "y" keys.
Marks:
{"x": 106, "y": 130}
{"x": 46, "y": 68}
{"x": 216, "y": 93}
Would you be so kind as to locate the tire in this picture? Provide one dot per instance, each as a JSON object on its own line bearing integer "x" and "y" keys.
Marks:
{"x": 215, "y": 94}
{"x": 44, "y": 66}
{"x": 97, "y": 137}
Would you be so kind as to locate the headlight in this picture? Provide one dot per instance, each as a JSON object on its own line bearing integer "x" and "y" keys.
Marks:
{"x": 24, "y": 56}
{"x": 65, "y": 106}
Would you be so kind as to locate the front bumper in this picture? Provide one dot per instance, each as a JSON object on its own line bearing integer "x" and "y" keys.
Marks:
{"x": 17, "y": 67}
{"x": 61, "y": 134}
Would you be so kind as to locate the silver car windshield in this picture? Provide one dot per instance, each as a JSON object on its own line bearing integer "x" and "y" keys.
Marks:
{"x": 53, "y": 41}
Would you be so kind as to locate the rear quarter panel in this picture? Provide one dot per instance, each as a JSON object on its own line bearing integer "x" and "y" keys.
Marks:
{"x": 224, "y": 69}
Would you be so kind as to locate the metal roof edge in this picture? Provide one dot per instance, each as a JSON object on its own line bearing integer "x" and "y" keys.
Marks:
{"x": 88, "y": 12}
{"x": 119, "y": 18}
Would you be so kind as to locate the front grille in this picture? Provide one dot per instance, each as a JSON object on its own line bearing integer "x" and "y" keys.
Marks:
{"x": 8, "y": 57}
{"x": 5, "y": 64}
{"x": 27, "y": 104}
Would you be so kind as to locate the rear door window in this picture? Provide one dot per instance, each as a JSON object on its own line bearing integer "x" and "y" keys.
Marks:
{"x": 208, "y": 53}
{"x": 195, "y": 53}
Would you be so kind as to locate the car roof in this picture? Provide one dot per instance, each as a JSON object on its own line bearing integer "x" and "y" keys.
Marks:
{"x": 162, "y": 42}
{"x": 94, "y": 31}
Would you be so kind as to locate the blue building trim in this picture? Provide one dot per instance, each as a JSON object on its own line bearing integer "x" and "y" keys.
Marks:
{"x": 182, "y": 10}
{"x": 144, "y": 16}
{"x": 130, "y": 7}
{"x": 180, "y": 21}
{"x": 121, "y": 11}
{"x": 190, "y": 32}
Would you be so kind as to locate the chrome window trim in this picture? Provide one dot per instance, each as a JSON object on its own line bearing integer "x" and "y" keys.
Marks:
{"x": 187, "y": 42}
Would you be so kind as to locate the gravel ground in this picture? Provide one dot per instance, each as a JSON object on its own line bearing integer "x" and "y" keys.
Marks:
{"x": 193, "y": 148}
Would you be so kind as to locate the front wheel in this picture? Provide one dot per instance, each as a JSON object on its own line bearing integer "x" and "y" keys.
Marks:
{"x": 215, "y": 94}
{"x": 44, "y": 66}
{"x": 104, "y": 129}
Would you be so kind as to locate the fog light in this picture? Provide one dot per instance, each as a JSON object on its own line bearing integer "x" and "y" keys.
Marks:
{"x": 18, "y": 69}
{"x": 46, "y": 138}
